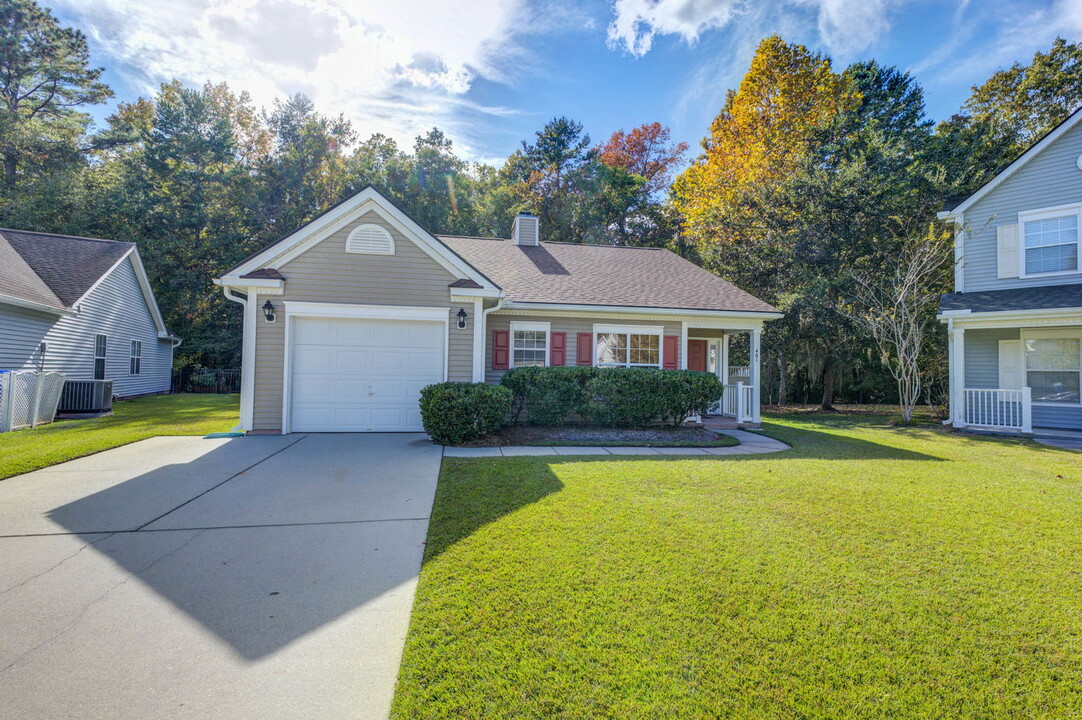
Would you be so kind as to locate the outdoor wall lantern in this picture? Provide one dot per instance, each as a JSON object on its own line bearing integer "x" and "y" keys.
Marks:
{"x": 461, "y": 318}
{"x": 268, "y": 311}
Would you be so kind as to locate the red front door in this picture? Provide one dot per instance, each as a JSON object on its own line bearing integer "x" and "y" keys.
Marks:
{"x": 697, "y": 355}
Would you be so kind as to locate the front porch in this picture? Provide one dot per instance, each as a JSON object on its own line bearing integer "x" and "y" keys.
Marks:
{"x": 732, "y": 355}
{"x": 1019, "y": 377}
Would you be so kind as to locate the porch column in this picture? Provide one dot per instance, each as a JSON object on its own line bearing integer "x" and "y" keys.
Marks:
{"x": 956, "y": 350}
{"x": 753, "y": 371}
{"x": 723, "y": 362}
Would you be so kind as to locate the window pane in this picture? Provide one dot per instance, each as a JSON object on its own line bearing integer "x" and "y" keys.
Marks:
{"x": 1053, "y": 354}
{"x": 99, "y": 369}
{"x": 529, "y": 348}
{"x": 612, "y": 349}
{"x": 645, "y": 350}
{"x": 1052, "y": 231}
{"x": 99, "y": 345}
{"x": 1054, "y": 258}
{"x": 1054, "y": 386}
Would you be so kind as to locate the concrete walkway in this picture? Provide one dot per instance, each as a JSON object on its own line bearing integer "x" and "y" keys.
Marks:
{"x": 750, "y": 444}
{"x": 257, "y": 577}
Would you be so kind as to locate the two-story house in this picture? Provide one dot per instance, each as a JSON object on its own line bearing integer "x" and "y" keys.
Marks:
{"x": 1015, "y": 318}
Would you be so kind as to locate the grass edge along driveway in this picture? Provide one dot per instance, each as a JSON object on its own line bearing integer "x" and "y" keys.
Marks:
{"x": 868, "y": 572}
{"x": 22, "y": 451}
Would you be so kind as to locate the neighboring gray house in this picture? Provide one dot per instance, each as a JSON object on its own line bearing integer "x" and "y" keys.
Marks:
{"x": 82, "y": 307}
{"x": 346, "y": 319}
{"x": 1015, "y": 318}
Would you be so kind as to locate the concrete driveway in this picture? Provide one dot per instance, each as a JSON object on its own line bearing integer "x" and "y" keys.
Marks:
{"x": 257, "y": 577}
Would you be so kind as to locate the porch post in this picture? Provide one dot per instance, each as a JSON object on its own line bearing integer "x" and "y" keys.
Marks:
{"x": 753, "y": 370}
{"x": 1027, "y": 409}
{"x": 724, "y": 364}
{"x": 957, "y": 374}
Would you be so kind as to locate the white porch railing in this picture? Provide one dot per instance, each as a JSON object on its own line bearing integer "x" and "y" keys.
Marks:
{"x": 998, "y": 409}
{"x": 739, "y": 371}
{"x": 738, "y": 401}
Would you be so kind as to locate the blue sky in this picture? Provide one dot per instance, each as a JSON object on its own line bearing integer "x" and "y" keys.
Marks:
{"x": 491, "y": 72}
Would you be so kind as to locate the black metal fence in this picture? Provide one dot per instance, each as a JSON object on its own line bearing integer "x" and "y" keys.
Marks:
{"x": 204, "y": 380}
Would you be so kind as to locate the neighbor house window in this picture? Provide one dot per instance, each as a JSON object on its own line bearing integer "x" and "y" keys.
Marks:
{"x": 529, "y": 344}
{"x": 101, "y": 345}
{"x": 1050, "y": 241}
{"x": 1054, "y": 367}
{"x": 136, "y": 357}
{"x": 627, "y": 346}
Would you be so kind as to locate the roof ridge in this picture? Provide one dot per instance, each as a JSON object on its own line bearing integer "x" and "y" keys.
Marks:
{"x": 555, "y": 242}
{"x": 61, "y": 235}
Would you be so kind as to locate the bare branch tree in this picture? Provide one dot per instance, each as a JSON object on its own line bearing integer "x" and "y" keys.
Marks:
{"x": 896, "y": 309}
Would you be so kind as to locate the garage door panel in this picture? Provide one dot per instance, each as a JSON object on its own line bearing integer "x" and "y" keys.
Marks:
{"x": 315, "y": 331}
{"x": 354, "y": 375}
{"x": 352, "y": 361}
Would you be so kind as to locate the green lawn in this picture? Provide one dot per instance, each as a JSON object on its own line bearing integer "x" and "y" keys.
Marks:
{"x": 870, "y": 572}
{"x": 25, "y": 450}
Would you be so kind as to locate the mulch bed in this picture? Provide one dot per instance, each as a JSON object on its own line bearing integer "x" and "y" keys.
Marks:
{"x": 601, "y": 436}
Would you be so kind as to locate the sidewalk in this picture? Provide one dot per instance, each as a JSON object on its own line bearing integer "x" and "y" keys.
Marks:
{"x": 750, "y": 444}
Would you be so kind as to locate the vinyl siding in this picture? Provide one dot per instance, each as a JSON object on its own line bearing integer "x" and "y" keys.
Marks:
{"x": 571, "y": 326}
{"x": 982, "y": 371}
{"x": 116, "y": 309}
{"x": 327, "y": 273}
{"x": 1051, "y": 178}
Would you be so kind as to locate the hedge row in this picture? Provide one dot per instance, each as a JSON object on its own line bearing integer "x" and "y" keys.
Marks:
{"x": 622, "y": 397}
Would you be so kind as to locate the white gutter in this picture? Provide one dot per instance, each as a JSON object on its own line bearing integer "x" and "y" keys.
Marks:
{"x": 31, "y": 305}
{"x": 247, "y": 358}
{"x": 632, "y": 310}
{"x": 484, "y": 332}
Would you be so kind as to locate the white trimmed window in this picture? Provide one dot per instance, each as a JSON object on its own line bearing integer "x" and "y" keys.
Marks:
{"x": 1050, "y": 240}
{"x": 1054, "y": 365}
{"x": 627, "y": 345}
{"x": 101, "y": 347}
{"x": 135, "y": 358}
{"x": 529, "y": 344}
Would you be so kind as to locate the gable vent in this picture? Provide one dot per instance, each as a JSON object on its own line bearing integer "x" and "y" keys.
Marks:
{"x": 369, "y": 239}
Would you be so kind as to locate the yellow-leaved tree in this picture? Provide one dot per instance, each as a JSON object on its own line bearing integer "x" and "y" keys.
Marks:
{"x": 788, "y": 95}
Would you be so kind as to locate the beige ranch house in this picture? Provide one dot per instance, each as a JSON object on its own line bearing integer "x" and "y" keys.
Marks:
{"x": 346, "y": 319}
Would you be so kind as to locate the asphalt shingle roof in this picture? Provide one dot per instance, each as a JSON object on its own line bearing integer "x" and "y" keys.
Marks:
{"x": 66, "y": 266}
{"x": 1036, "y": 298}
{"x": 601, "y": 275}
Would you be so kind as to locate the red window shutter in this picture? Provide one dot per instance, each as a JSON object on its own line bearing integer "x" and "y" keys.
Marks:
{"x": 670, "y": 352}
{"x": 585, "y": 349}
{"x": 501, "y": 349}
{"x": 557, "y": 348}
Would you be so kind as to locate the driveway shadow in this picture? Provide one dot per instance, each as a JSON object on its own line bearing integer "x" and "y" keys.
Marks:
{"x": 280, "y": 571}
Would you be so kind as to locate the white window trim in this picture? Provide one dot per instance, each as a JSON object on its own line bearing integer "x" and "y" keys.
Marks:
{"x": 133, "y": 356}
{"x": 629, "y": 330}
{"x": 1047, "y": 214}
{"x": 1060, "y": 334}
{"x": 104, "y": 358}
{"x": 530, "y": 326}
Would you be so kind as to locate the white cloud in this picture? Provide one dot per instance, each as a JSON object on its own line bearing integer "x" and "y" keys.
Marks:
{"x": 845, "y": 27}
{"x": 392, "y": 66}
{"x": 638, "y": 21}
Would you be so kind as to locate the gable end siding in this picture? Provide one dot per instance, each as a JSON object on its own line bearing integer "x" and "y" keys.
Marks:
{"x": 327, "y": 273}
{"x": 1051, "y": 178}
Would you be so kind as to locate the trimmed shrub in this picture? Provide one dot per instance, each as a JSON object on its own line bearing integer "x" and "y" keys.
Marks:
{"x": 687, "y": 392}
{"x": 624, "y": 397}
{"x": 549, "y": 395}
{"x": 637, "y": 397}
{"x": 457, "y": 412}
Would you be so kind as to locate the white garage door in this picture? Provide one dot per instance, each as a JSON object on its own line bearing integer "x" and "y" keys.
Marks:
{"x": 362, "y": 375}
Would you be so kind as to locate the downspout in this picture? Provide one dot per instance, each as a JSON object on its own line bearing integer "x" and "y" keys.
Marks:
{"x": 244, "y": 392}
{"x": 484, "y": 330}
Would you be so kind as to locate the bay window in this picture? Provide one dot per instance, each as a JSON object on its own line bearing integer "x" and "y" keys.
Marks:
{"x": 627, "y": 346}
{"x": 1050, "y": 240}
{"x": 529, "y": 344}
{"x": 1054, "y": 365}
